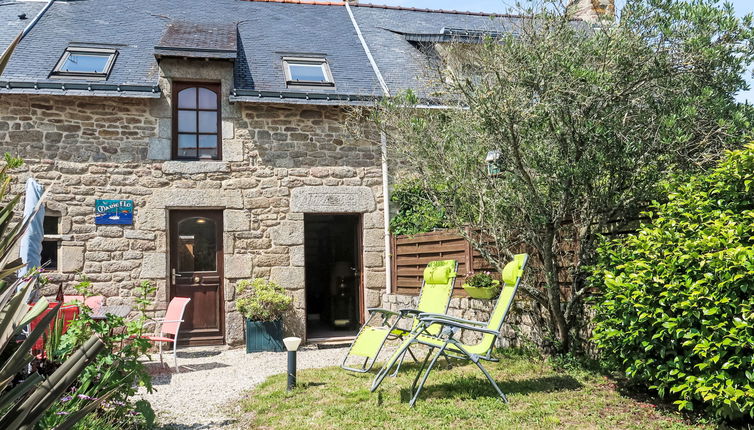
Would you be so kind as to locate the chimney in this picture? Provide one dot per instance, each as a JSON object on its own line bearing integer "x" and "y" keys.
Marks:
{"x": 591, "y": 11}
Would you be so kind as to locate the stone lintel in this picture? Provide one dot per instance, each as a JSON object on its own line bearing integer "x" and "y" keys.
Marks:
{"x": 195, "y": 198}
{"x": 334, "y": 199}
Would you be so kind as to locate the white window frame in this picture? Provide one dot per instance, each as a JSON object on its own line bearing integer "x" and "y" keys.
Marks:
{"x": 317, "y": 61}
{"x": 111, "y": 53}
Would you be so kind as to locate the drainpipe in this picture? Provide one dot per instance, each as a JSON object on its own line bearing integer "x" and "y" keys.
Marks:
{"x": 5, "y": 56}
{"x": 383, "y": 150}
{"x": 386, "y": 216}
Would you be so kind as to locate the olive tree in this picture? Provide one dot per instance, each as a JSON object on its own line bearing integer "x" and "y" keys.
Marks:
{"x": 586, "y": 120}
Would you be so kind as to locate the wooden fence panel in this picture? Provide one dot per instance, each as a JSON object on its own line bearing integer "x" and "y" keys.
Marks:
{"x": 412, "y": 253}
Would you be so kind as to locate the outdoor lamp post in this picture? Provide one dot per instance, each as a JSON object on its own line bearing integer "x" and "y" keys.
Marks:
{"x": 292, "y": 344}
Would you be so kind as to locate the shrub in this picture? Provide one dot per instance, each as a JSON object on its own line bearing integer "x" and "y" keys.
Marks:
{"x": 416, "y": 211}
{"x": 482, "y": 280}
{"x": 262, "y": 300}
{"x": 678, "y": 306}
{"x": 115, "y": 375}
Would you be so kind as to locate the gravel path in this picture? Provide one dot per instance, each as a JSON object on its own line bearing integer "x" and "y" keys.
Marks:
{"x": 212, "y": 377}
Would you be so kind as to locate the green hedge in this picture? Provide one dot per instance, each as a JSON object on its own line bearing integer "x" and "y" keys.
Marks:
{"x": 678, "y": 306}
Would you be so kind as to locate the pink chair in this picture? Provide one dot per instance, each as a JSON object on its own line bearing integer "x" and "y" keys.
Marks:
{"x": 170, "y": 326}
{"x": 93, "y": 302}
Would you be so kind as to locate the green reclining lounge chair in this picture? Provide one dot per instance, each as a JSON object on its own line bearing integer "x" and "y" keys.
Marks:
{"x": 447, "y": 342}
{"x": 434, "y": 297}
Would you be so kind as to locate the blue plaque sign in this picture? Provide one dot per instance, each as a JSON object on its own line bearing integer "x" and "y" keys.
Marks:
{"x": 114, "y": 212}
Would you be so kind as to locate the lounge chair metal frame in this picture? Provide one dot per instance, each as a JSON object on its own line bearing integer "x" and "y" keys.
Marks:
{"x": 393, "y": 331}
{"x": 446, "y": 343}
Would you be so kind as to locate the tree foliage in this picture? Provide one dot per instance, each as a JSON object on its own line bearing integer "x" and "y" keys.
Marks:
{"x": 417, "y": 212}
{"x": 587, "y": 121}
{"x": 678, "y": 307}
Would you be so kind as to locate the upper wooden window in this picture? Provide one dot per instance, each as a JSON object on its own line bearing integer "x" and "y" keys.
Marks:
{"x": 196, "y": 121}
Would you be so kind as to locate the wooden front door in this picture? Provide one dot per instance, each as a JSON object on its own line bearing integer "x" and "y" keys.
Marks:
{"x": 196, "y": 272}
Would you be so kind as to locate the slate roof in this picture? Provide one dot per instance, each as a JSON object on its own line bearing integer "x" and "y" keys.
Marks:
{"x": 10, "y": 24}
{"x": 392, "y": 36}
{"x": 266, "y": 31}
{"x": 187, "y": 39}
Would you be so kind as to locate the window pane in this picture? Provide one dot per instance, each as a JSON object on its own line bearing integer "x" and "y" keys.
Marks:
{"x": 187, "y": 98}
{"x": 307, "y": 72}
{"x": 208, "y": 146}
{"x": 197, "y": 247}
{"x": 186, "y": 141}
{"x": 50, "y": 225}
{"x": 85, "y": 63}
{"x": 207, "y": 122}
{"x": 207, "y": 141}
{"x": 207, "y": 99}
{"x": 187, "y": 121}
{"x": 50, "y": 254}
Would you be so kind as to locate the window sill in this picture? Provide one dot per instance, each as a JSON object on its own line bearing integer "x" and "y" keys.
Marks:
{"x": 195, "y": 166}
{"x": 58, "y": 237}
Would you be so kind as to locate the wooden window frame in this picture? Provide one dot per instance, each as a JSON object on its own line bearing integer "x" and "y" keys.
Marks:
{"x": 214, "y": 87}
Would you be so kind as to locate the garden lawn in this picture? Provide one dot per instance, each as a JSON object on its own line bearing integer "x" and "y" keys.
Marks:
{"x": 540, "y": 396}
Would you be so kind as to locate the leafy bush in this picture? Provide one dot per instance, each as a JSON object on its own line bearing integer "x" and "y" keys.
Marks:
{"x": 262, "y": 300}
{"x": 416, "y": 211}
{"x": 116, "y": 373}
{"x": 678, "y": 306}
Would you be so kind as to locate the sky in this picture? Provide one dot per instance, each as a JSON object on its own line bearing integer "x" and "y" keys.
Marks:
{"x": 741, "y": 7}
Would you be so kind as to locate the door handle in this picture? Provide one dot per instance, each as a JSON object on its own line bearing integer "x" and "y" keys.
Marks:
{"x": 174, "y": 275}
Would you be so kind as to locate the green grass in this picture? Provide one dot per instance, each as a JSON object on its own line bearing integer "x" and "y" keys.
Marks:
{"x": 540, "y": 396}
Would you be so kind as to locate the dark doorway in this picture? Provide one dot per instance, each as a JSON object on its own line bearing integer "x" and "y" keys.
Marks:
{"x": 333, "y": 275}
{"x": 196, "y": 272}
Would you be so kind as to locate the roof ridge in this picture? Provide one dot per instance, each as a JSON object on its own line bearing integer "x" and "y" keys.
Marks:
{"x": 383, "y": 6}
{"x": 451, "y": 12}
{"x": 318, "y": 3}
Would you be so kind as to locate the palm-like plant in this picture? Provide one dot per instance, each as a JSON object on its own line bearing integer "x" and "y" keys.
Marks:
{"x": 22, "y": 405}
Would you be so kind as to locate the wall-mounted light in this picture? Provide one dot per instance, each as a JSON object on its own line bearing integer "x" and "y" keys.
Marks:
{"x": 494, "y": 162}
{"x": 291, "y": 344}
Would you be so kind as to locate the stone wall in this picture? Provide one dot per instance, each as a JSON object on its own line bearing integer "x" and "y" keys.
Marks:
{"x": 523, "y": 327}
{"x": 279, "y": 162}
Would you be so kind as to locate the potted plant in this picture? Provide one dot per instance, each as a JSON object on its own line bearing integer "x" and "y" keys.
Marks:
{"x": 262, "y": 304}
{"x": 482, "y": 286}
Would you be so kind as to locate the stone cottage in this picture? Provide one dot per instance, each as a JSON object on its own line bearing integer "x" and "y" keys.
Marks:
{"x": 197, "y": 143}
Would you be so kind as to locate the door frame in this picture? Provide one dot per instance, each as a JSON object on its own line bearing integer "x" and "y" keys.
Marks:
{"x": 360, "y": 289}
{"x": 217, "y": 215}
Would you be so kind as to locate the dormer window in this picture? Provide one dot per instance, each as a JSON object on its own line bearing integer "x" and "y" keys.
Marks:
{"x": 307, "y": 72}
{"x": 86, "y": 62}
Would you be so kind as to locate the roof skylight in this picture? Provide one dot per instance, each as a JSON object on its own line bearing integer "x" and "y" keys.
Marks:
{"x": 307, "y": 72}
{"x": 86, "y": 62}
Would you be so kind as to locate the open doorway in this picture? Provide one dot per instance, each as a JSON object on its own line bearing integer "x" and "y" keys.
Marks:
{"x": 333, "y": 275}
